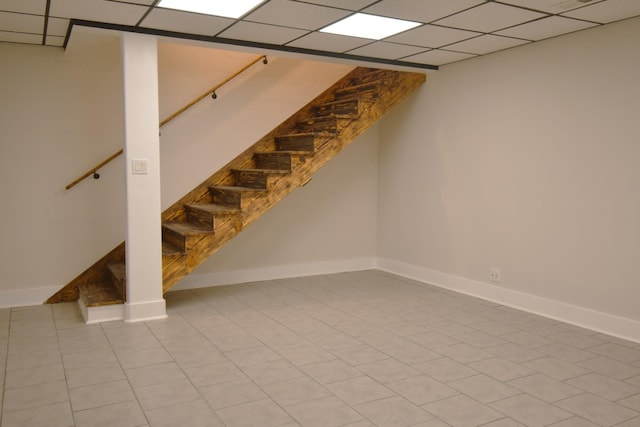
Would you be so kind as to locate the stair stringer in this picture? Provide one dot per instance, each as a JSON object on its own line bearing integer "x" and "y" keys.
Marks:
{"x": 394, "y": 87}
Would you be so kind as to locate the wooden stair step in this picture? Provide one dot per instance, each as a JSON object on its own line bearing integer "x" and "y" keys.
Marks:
{"x": 234, "y": 196}
{"x": 256, "y": 178}
{"x": 365, "y": 90}
{"x": 99, "y": 294}
{"x": 183, "y": 235}
{"x": 276, "y": 160}
{"x": 169, "y": 250}
{"x": 207, "y": 213}
{"x": 350, "y": 106}
{"x": 328, "y": 123}
{"x": 297, "y": 142}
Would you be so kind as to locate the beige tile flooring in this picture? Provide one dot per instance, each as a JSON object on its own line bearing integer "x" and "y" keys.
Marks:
{"x": 352, "y": 349}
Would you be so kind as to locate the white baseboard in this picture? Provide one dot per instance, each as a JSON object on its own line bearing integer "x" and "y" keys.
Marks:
{"x": 26, "y": 297}
{"x": 194, "y": 280}
{"x": 610, "y": 324}
{"x": 104, "y": 313}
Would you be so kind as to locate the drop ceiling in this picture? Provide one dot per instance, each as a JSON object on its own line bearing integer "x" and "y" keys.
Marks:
{"x": 450, "y": 30}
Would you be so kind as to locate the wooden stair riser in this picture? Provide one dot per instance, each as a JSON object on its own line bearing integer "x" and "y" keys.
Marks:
{"x": 341, "y": 107}
{"x": 118, "y": 277}
{"x": 208, "y": 215}
{"x": 261, "y": 179}
{"x": 297, "y": 142}
{"x": 235, "y": 197}
{"x": 320, "y": 124}
{"x": 366, "y": 91}
{"x": 180, "y": 239}
{"x": 274, "y": 161}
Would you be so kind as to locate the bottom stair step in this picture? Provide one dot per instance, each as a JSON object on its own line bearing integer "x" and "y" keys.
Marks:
{"x": 99, "y": 294}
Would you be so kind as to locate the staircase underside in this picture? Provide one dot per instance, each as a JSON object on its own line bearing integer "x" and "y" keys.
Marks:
{"x": 214, "y": 212}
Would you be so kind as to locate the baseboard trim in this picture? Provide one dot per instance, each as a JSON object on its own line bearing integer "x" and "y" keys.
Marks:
{"x": 195, "y": 281}
{"x": 26, "y": 297}
{"x": 143, "y": 311}
{"x": 104, "y": 313}
{"x": 610, "y": 324}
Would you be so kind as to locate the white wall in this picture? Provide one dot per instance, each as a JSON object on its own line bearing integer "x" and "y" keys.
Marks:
{"x": 526, "y": 160}
{"x": 61, "y": 113}
{"x": 59, "y": 116}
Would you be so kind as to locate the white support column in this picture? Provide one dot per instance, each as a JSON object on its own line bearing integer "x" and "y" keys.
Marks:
{"x": 142, "y": 154}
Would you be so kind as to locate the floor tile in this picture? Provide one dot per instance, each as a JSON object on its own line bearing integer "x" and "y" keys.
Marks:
{"x": 514, "y": 352}
{"x": 576, "y": 339}
{"x": 632, "y": 402}
{"x": 252, "y": 356}
{"x": 501, "y": 369}
{"x": 89, "y": 358}
{"x": 462, "y": 411}
{"x": 484, "y": 388}
{"x": 90, "y": 375}
{"x": 530, "y": 411}
{"x": 295, "y": 391}
{"x": 33, "y": 376}
{"x": 611, "y": 368}
{"x": 359, "y": 354}
{"x": 330, "y": 371}
{"x": 493, "y": 328}
{"x": 231, "y": 393}
{"x": 32, "y": 359}
{"x": 597, "y": 410}
{"x": 527, "y": 339}
{"x": 464, "y": 353}
{"x": 545, "y": 388}
{"x": 263, "y": 413}
{"x": 306, "y": 355}
{"x": 271, "y": 372}
{"x": 214, "y": 373}
{"x": 359, "y": 390}
{"x": 411, "y": 353}
{"x": 566, "y": 352}
{"x": 127, "y": 414}
{"x": 195, "y": 414}
{"x": 432, "y": 340}
{"x": 574, "y": 422}
{"x": 393, "y": 412}
{"x": 94, "y": 396}
{"x": 445, "y": 370}
{"x": 388, "y": 370}
{"x": 154, "y": 374}
{"x": 555, "y": 368}
{"x": 422, "y": 389}
{"x": 136, "y": 358}
{"x": 196, "y": 356}
{"x": 603, "y": 386}
{"x": 505, "y": 422}
{"x": 325, "y": 412}
{"x": 34, "y": 396}
{"x": 54, "y": 415}
{"x": 616, "y": 352}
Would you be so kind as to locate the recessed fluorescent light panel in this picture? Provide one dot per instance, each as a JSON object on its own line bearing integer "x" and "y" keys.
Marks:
{"x": 226, "y": 8}
{"x": 369, "y": 26}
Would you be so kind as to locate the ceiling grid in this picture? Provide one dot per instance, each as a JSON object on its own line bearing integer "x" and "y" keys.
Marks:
{"x": 449, "y": 30}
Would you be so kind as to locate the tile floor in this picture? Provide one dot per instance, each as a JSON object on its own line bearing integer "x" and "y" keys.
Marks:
{"x": 352, "y": 349}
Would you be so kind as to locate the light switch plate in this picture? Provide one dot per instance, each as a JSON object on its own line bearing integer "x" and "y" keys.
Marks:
{"x": 140, "y": 166}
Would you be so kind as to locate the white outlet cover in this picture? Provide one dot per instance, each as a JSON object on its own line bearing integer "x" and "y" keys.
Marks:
{"x": 140, "y": 166}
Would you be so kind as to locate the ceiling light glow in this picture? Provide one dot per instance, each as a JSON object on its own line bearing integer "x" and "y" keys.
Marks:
{"x": 369, "y": 26}
{"x": 228, "y": 9}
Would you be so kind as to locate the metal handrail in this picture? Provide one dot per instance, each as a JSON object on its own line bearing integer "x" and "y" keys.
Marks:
{"x": 94, "y": 171}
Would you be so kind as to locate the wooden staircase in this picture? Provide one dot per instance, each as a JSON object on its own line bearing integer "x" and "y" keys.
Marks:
{"x": 215, "y": 211}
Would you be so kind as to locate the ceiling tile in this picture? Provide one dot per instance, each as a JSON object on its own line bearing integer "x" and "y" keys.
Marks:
{"x": 54, "y": 41}
{"x": 386, "y": 50}
{"x": 438, "y": 57}
{"x": 57, "y": 27}
{"x": 36, "y": 7}
{"x": 432, "y": 36}
{"x": 490, "y": 17}
{"x": 263, "y": 33}
{"x": 289, "y": 13}
{"x": 21, "y": 23}
{"x": 485, "y": 44}
{"x": 343, "y": 4}
{"x": 550, "y": 6}
{"x": 8, "y": 36}
{"x": 329, "y": 42}
{"x": 98, "y": 10}
{"x": 608, "y": 11}
{"x": 420, "y": 10}
{"x": 185, "y": 22}
{"x": 545, "y": 28}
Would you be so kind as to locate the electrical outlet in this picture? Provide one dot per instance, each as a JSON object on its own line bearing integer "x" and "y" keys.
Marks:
{"x": 494, "y": 274}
